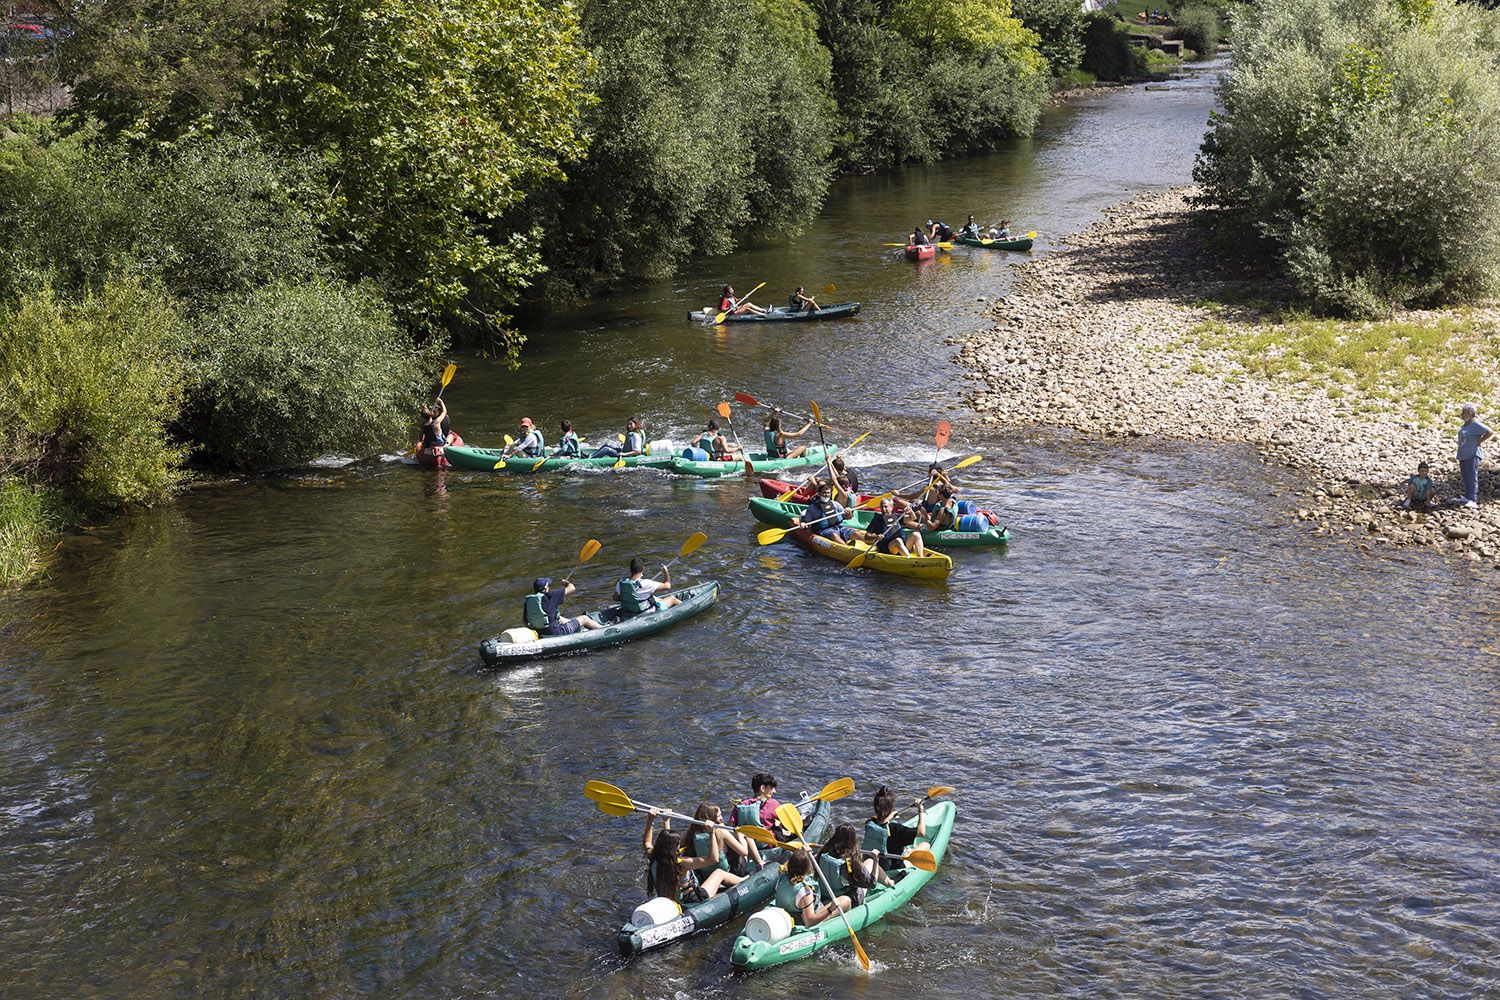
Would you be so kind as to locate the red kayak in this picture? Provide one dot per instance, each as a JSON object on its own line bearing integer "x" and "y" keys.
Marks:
{"x": 916, "y": 252}
{"x": 435, "y": 456}
{"x": 772, "y": 489}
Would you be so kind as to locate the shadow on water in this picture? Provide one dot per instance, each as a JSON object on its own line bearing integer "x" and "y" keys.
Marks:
{"x": 1198, "y": 752}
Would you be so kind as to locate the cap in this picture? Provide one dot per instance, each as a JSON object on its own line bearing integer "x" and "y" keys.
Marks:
{"x": 540, "y": 584}
{"x": 526, "y": 422}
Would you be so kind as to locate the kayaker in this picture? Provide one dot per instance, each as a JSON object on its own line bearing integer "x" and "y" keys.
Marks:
{"x": 918, "y": 237}
{"x": 939, "y": 512}
{"x": 882, "y": 833}
{"x": 970, "y": 229}
{"x": 776, "y": 438}
{"x": 798, "y": 302}
{"x": 847, "y": 869}
{"x": 887, "y": 532}
{"x": 435, "y": 426}
{"x": 530, "y": 445}
{"x": 638, "y": 595}
{"x": 729, "y": 304}
{"x": 716, "y": 444}
{"x": 542, "y": 609}
{"x": 848, "y": 480}
{"x": 734, "y": 849}
{"x": 568, "y": 445}
{"x": 760, "y": 808}
{"x": 1000, "y": 232}
{"x": 634, "y": 443}
{"x": 671, "y": 874}
{"x": 797, "y": 891}
{"x": 939, "y": 232}
{"x": 825, "y": 516}
{"x": 1419, "y": 492}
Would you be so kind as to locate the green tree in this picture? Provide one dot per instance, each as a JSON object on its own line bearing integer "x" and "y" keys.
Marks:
{"x": 1059, "y": 27}
{"x": 435, "y": 119}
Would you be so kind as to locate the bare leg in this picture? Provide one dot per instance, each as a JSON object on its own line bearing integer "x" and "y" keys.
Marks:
{"x": 672, "y": 602}
{"x": 797, "y": 452}
{"x": 916, "y": 543}
{"x": 588, "y": 622}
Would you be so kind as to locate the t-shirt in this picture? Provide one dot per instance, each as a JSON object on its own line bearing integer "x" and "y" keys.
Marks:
{"x": 552, "y": 603}
{"x": 1421, "y": 486}
{"x": 644, "y": 588}
{"x": 1468, "y": 439}
{"x": 531, "y": 444}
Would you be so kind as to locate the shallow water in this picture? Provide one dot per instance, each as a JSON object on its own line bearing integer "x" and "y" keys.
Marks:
{"x": 1197, "y": 751}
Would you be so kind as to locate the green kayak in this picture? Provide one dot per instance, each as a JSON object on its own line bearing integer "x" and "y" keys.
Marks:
{"x": 779, "y": 514}
{"x": 743, "y": 899}
{"x": 759, "y": 460}
{"x": 695, "y": 600}
{"x": 1021, "y": 244}
{"x": 881, "y": 900}
{"x": 484, "y": 459}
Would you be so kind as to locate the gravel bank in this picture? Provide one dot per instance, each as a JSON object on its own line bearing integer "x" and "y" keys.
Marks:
{"x": 1101, "y": 337}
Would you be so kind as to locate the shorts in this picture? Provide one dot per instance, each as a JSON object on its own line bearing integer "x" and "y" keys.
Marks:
{"x": 562, "y": 628}
{"x": 844, "y": 535}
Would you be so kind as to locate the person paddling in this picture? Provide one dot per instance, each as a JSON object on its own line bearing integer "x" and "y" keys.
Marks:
{"x": 530, "y": 445}
{"x": 568, "y": 445}
{"x": 798, "y": 302}
{"x": 825, "y": 516}
{"x": 883, "y": 834}
{"x": 847, "y": 869}
{"x": 542, "y": 610}
{"x": 676, "y": 876}
{"x": 639, "y": 595}
{"x": 435, "y": 425}
{"x": 634, "y": 443}
{"x": 716, "y": 444}
{"x": 797, "y": 891}
{"x": 729, "y": 304}
{"x": 887, "y": 533}
{"x": 776, "y": 438}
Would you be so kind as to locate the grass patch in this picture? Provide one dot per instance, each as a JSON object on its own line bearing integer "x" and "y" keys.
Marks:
{"x": 28, "y": 518}
{"x": 1076, "y": 78}
{"x": 1423, "y": 368}
{"x": 1158, "y": 61}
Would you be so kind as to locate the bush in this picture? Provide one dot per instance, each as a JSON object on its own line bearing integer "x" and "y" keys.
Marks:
{"x": 1107, "y": 52}
{"x": 28, "y": 517}
{"x": 1059, "y": 25}
{"x": 1198, "y": 28}
{"x": 290, "y": 371}
{"x": 1363, "y": 142}
{"x": 89, "y": 390}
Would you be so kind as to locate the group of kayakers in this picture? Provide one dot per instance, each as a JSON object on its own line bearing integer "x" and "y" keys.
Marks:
{"x": 637, "y": 594}
{"x": 696, "y": 866}
{"x": 941, "y": 232}
{"x": 896, "y": 528}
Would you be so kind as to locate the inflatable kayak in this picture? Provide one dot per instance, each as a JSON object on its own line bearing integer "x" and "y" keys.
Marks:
{"x": 437, "y": 458}
{"x": 780, "y": 314}
{"x": 518, "y": 644}
{"x": 760, "y": 461}
{"x": 933, "y": 566}
{"x": 923, "y": 252}
{"x": 743, "y": 899}
{"x": 881, "y": 900}
{"x": 1022, "y": 244}
{"x": 484, "y": 459}
{"x": 976, "y": 531}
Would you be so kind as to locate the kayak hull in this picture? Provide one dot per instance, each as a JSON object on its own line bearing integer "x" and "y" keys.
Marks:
{"x": 743, "y": 899}
{"x": 780, "y": 314}
{"x": 760, "y": 461}
{"x": 484, "y": 459}
{"x": 1020, "y": 246}
{"x": 779, "y": 514}
{"x": 695, "y": 601}
{"x": 915, "y": 253}
{"x": 437, "y": 458}
{"x": 933, "y": 566}
{"x": 879, "y": 902}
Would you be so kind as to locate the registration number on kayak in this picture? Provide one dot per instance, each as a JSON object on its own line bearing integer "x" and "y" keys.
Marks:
{"x": 806, "y": 941}
{"x": 672, "y": 929}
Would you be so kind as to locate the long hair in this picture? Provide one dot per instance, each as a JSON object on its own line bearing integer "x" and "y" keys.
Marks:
{"x": 844, "y": 845}
{"x": 666, "y": 856}
{"x": 885, "y": 803}
{"x": 799, "y": 863}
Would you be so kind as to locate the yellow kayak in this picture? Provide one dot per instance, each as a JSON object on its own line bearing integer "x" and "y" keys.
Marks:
{"x": 933, "y": 566}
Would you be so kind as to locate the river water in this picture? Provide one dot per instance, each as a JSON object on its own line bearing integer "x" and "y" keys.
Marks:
{"x": 1197, "y": 752}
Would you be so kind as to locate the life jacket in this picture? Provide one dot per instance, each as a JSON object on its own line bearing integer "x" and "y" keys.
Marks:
{"x": 703, "y": 847}
{"x": 747, "y": 813}
{"x": 634, "y": 441}
{"x": 772, "y": 448}
{"x": 432, "y": 436}
{"x": 535, "y": 613}
{"x": 877, "y": 835}
{"x": 706, "y": 442}
{"x": 787, "y": 891}
{"x": 568, "y": 445}
{"x": 631, "y": 601}
{"x": 833, "y": 875}
{"x": 686, "y": 887}
{"x": 726, "y": 304}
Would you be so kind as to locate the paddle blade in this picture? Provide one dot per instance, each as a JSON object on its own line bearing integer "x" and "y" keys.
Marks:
{"x": 771, "y": 536}
{"x": 1031, "y": 235}
{"x": 830, "y": 288}
{"x": 937, "y": 790}
{"x": 790, "y": 819}
{"x": 621, "y": 438}
{"x": 720, "y": 318}
{"x": 971, "y": 460}
{"x": 817, "y": 413}
{"x": 508, "y": 440}
{"x": 858, "y": 560}
{"x": 857, "y": 440}
{"x": 500, "y": 464}
{"x": 749, "y": 468}
{"x": 693, "y": 544}
{"x": 539, "y": 463}
{"x": 859, "y": 950}
{"x": 597, "y": 790}
{"x": 619, "y": 464}
{"x": 944, "y": 429}
{"x": 921, "y": 858}
{"x": 893, "y": 244}
{"x": 746, "y": 398}
{"x": 835, "y": 790}
{"x": 723, "y": 410}
{"x": 448, "y": 374}
{"x": 590, "y": 550}
{"x": 759, "y": 834}
{"x": 615, "y": 805}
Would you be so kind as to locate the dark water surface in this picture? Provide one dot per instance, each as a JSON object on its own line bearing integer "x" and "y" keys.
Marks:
{"x": 248, "y": 751}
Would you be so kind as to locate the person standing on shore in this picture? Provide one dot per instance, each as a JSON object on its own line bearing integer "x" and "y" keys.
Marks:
{"x": 1471, "y": 435}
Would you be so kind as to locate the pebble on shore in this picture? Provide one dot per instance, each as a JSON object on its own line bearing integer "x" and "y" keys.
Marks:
{"x": 1099, "y": 337}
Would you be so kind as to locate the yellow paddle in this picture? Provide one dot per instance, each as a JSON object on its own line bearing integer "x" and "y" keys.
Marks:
{"x": 791, "y": 819}
{"x": 833, "y": 791}
{"x": 941, "y": 246}
{"x": 719, "y": 319}
{"x": 919, "y": 857}
{"x": 693, "y": 544}
{"x": 971, "y": 460}
{"x": 590, "y": 550}
{"x": 932, "y": 793}
{"x": 448, "y": 374}
{"x": 830, "y": 288}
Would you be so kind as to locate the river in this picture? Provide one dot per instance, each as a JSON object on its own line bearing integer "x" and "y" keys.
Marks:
{"x": 1197, "y": 751}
